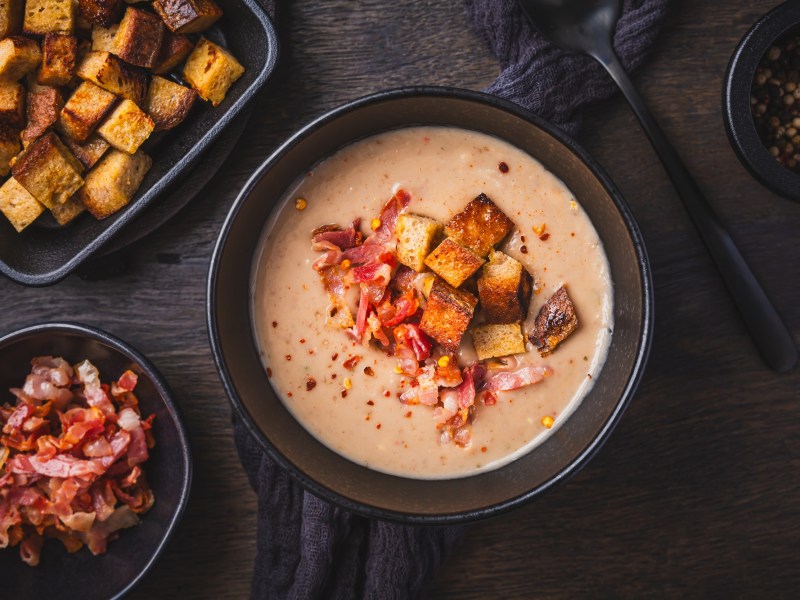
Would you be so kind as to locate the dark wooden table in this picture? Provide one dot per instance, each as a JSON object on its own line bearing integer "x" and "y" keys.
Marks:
{"x": 697, "y": 493}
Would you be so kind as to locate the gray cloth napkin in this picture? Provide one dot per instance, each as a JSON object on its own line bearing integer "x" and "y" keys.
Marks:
{"x": 307, "y": 548}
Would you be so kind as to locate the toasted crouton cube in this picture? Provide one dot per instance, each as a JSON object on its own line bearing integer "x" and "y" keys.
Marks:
{"x": 103, "y": 38}
{"x": 113, "y": 182}
{"x": 504, "y": 289}
{"x": 447, "y": 314}
{"x": 59, "y": 56}
{"x": 18, "y": 56}
{"x": 10, "y": 17}
{"x": 113, "y": 75}
{"x": 43, "y": 16}
{"x": 168, "y": 103}
{"x": 211, "y": 70}
{"x": 44, "y": 104}
{"x": 88, "y": 152}
{"x": 12, "y": 106}
{"x": 102, "y": 12}
{"x": 66, "y": 212}
{"x": 17, "y": 204}
{"x": 416, "y": 237}
{"x": 453, "y": 262}
{"x": 48, "y": 170}
{"x": 127, "y": 127}
{"x": 84, "y": 110}
{"x": 496, "y": 340}
{"x": 554, "y": 323}
{"x": 188, "y": 16}
{"x": 139, "y": 38}
{"x": 174, "y": 50}
{"x": 10, "y": 147}
{"x": 480, "y": 226}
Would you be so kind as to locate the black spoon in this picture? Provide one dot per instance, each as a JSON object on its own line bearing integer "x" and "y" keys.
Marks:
{"x": 587, "y": 26}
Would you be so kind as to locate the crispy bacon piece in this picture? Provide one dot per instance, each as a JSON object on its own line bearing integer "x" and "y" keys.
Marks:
{"x": 512, "y": 380}
{"x": 384, "y": 233}
{"x": 341, "y": 238}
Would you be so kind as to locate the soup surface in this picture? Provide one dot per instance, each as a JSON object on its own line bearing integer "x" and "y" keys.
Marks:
{"x": 442, "y": 169}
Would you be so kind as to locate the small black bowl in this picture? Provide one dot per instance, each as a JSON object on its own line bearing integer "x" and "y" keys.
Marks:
{"x": 376, "y": 494}
{"x": 169, "y": 471}
{"x": 739, "y": 122}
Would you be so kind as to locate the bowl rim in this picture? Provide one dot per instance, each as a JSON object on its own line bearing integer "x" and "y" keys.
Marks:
{"x": 739, "y": 123}
{"x": 164, "y": 391}
{"x": 580, "y": 460}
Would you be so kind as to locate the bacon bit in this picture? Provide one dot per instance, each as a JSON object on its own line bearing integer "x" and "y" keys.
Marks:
{"x": 489, "y": 399}
{"x": 351, "y": 362}
{"x": 348, "y": 385}
{"x": 288, "y": 357}
{"x": 523, "y": 249}
{"x": 274, "y": 323}
{"x": 548, "y": 421}
{"x": 443, "y": 361}
{"x": 503, "y": 167}
{"x": 370, "y": 402}
{"x": 269, "y": 373}
{"x": 300, "y": 204}
{"x": 544, "y": 237}
{"x": 311, "y": 383}
{"x": 335, "y": 356}
{"x": 375, "y": 224}
{"x": 369, "y": 371}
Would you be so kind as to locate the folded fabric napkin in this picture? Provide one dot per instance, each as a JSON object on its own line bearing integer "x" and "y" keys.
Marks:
{"x": 307, "y": 548}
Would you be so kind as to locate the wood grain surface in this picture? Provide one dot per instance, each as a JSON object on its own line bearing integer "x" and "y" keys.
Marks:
{"x": 697, "y": 493}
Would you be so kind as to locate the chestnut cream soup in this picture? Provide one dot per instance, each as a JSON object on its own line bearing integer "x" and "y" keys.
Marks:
{"x": 347, "y": 394}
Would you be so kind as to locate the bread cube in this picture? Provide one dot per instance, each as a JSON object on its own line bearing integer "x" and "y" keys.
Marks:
{"x": 66, "y": 212}
{"x": 59, "y": 56}
{"x": 44, "y": 104}
{"x": 127, "y": 127}
{"x": 480, "y": 226}
{"x": 174, "y": 50}
{"x": 113, "y": 182}
{"x": 453, "y": 262}
{"x": 554, "y": 323}
{"x": 188, "y": 16}
{"x": 139, "y": 38}
{"x": 211, "y": 70}
{"x": 17, "y": 204}
{"x": 496, "y": 340}
{"x": 85, "y": 110}
{"x": 18, "y": 56}
{"x": 103, "y": 38}
{"x": 10, "y": 147}
{"x": 168, "y": 103}
{"x": 101, "y": 12}
{"x": 504, "y": 289}
{"x": 12, "y": 106}
{"x": 113, "y": 75}
{"x": 48, "y": 170}
{"x": 84, "y": 47}
{"x": 88, "y": 152}
{"x": 11, "y": 17}
{"x": 416, "y": 237}
{"x": 447, "y": 314}
{"x": 43, "y": 16}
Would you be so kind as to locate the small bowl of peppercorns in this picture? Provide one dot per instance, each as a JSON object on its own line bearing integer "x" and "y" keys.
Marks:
{"x": 761, "y": 100}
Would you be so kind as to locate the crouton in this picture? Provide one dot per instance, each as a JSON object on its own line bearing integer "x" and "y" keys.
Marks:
{"x": 499, "y": 339}
{"x": 10, "y": 147}
{"x": 113, "y": 182}
{"x": 59, "y": 56}
{"x": 504, "y": 289}
{"x": 84, "y": 47}
{"x": 168, "y": 103}
{"x": 113, "y": 75}
{"x": 44, "y": 104}
{"x": 174, "y": 50}
{"x": 453, "y": 262}
{"x": 480, "y": 226}
{"x": 18, "y": 56}
{"x": 211, "y": 70}
{"x": 139, "y": 38}
{"x": 101, "y": 12}
{"x": 65, "y": 213}
{"x": 43, "y": 16}
{"x": 17, "y": 204}
{"x": 554, "y": 323}
{"x": 12, "y": 106}
{"x": 127, "y": 127}
{"x": 188, "y": 16}
{"x": 11, "y": 17}
{"x": 447, "y": 314}
{"x": 103, "y": 38}
{"x": 48, "y": 170}
{"x": 84, "y": 110}
{"x": 88, "y": 152}
{"x": 416, "y": 237}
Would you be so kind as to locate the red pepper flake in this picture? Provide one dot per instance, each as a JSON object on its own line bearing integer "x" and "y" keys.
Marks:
{"x": 288, "y": 357}
{"x": 269, "y": 373}
{"x": 369, "y": 371}
{"x": 378, "y": 426}
{"x": 523, "y": 249}
{"x": 370, "y": 402}
{"x": 589, "y": 375}
{"x": 274, "y": 323}
{"x": 572, "y": 234}
{"x": 503, "y": 167}
{"x": 483, "y": 449}
{"x": 387, "y": 393}
{"x": 290, "y": 394}
{"x": 302, "y": 340}
{"x": 522, "y": 239}
{"x": 351, "y": 362}
{"x": 311, "y": 351}
{"x": 368, "y": 417}
{"x": 344, "y": 393}
{"x": 311, "y": 383}
{"x": 333, "y": 375}
{"x": 544, "y": 237}
{"x": 408, "y": 414}
{"x": 335, "y": 356}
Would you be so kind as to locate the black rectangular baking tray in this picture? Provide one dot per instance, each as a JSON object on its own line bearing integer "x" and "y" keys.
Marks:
{"x": 42, "y": 255}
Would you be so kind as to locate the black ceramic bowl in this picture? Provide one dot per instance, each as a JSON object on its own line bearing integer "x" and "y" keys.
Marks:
{"x": 169, "y": 471}
{"x": 739, "y": 122}
{"x": 375, "y": 494}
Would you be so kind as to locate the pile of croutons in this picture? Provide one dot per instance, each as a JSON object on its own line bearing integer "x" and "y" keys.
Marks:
{"x": 83, "y": 84}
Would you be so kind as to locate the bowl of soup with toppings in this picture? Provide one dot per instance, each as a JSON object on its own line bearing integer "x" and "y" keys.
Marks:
{"x": 429, "y": 305}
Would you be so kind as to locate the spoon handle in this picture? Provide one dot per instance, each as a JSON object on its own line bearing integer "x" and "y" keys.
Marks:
{"x": 773, "y": 340}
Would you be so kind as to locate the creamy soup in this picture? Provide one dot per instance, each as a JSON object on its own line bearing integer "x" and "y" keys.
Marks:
{"x": 356, "y": 412}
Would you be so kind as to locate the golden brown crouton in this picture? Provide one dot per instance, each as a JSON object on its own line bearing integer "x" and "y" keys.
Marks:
{"x": 496, "y": 340}
{"x": 84, "y": 110}
{"x": 453, "y": 262}
{"x": 174, "y": 50}
{"x": 168, "y": 103}
{"x": 188, "y": 16}
{"x": 447, "y": 314}
{"x": 480, "y": 226}
{"x": 554, "y": 323}
{"x": 43, "y": 16}
{"x": 19, "y": 207}
{"x": 48, "y": 170}
{"x": 59, "y": 56}
{"x": 64, "y": 213}
{"x": 211, "y": 70}
{"x": 113, "y": 182}
{"x": 127, "y": 127}
{"x": 18, "y": 56}
{"x": 102, "y": 12}
{"x": 416, "y": 237}
{"x": 11, "y": 17}
{"x": 10, "y": 147}
{"x": 44, "y": 104}
{"x": 113, "y": 75}
{"x": 12, "y": 106}
{"x": 504, "y": 289}
{"x": 88, "y": 152}
{"x": 139, "y": 37}
{"x": 103, "y": 38}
